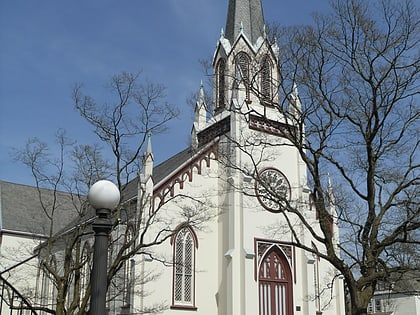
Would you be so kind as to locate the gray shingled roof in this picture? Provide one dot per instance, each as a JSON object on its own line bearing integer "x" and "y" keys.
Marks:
{"x": 21, "y": 211}
{"x": 249, "y": 13}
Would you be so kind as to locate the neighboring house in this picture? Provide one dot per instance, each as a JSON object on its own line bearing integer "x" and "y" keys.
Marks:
{"x": 24, "y": 224}
{"x": 240, "y": 261}
{"x": 401, "y": 297}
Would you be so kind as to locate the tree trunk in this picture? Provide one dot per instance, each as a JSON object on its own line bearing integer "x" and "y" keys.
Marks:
{"x": 360, "y": 300}
{"x": 60, "y": 307}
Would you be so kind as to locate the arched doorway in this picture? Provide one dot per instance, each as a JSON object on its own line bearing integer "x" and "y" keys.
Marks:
{"x": 275, "y": 284}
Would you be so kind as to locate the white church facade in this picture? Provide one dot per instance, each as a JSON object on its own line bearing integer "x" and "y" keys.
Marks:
{"x": 233, "y": 252}
{"x": 243, "y": 260}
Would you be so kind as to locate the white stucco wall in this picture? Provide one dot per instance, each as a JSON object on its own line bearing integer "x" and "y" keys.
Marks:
{"x": 13, "y": 250}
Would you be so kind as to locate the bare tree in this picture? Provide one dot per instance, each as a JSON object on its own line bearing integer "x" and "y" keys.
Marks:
{"x": 133, "y": 111}
{"x": 355, "y": 119}
{"x": 124, "y": 124}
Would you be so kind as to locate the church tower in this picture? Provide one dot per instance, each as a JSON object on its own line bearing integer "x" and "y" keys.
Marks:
{"x": 254, "y": 146}
{"x": 246, "y": 70}
{"x": 245, "y": 63}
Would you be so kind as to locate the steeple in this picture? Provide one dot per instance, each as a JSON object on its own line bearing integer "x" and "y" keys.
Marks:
{"x": 200, "y": 109}
{"x": 148, "y": 158}
{"x": 246, "y": 16}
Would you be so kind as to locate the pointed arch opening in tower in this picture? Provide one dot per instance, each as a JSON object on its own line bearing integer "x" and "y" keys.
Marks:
{"x": 220, "y": 85}
{"x": 242, "y": 71}
{"x": 275, "y": 284}
{"x": 266, "y": 80}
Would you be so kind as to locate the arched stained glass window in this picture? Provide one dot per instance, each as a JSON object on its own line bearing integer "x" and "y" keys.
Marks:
{"x": 275, "y": 284}
{"x": 221, "y": 67}
{"x": 185, "y": 245}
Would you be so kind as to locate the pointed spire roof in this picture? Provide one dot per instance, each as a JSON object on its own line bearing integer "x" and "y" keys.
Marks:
{"x": 201, "y": 99}
{"x": 246, "y": 16}
{"x": 148, "y": 153}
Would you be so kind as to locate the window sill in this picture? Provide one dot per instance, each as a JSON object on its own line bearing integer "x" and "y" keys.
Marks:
{"x": 184, "y": 307}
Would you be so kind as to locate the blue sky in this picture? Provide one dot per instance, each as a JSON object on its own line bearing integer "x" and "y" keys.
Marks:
{"x": 47, "y": 46}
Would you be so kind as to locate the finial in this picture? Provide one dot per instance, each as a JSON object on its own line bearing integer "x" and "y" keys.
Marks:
{"x": 295, "y": 90}
{"x": 330, "y": 191}
{"x": 222, "y": 33}
{"x": 264, "y": 32}
{"x": 242, "y": 27}
{"x": 201, "y": 94}
{"x": 149, "y": 142}
{"x": 329, "y": 181}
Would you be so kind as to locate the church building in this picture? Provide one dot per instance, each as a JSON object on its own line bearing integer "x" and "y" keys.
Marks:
{"x": 243, "y": 260}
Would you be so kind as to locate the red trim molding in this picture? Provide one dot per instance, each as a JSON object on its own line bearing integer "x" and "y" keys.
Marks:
{"x": 270, "y": 126}
{"x": 185, "y": 173}
{"x": 261, "y": 247}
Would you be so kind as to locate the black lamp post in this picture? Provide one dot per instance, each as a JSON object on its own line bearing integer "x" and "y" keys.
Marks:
{"x": 104, "y": 196}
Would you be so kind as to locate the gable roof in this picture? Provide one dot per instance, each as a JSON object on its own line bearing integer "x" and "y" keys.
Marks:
{"x": 22, "y": 212}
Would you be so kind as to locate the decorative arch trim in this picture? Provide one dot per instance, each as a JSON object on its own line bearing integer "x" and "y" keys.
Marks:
{"x": 184, "y": 225}
{"x": 195, "y": 164}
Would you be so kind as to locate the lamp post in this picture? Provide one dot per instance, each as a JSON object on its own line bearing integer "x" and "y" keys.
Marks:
{"x": 104, "y": 196}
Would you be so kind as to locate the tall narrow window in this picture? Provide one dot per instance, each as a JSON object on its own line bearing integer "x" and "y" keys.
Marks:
{"x": 242, "y": 67}
{"x": 48, "y": 288}
{"x": 266, "y": 83}
{"x": 85, "y": 271}
{"x": 316, "y": 279}
{"x": 121, "y": 287}
{"x": 242, "y": 62}
{"x": 221, "y": 67}
{"x": 128, "y": 269}
{"x": 185, "y": 245}
{"x": 275, "y": 284}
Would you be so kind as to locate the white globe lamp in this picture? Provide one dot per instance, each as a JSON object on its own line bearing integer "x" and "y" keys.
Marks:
{"x": 104, "y": 195}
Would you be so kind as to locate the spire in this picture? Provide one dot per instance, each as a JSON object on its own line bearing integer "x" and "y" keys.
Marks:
{"x": 148, "y": 154}
{"x": 295, "y": 103}
{"x": 149, "y": 144}
{"x": 330, "y": 195}
{"x": 245, "y": 14}
{"x": 200, "y": 109}
{"x": 148, "y": 157}
{"x": 200, "y": 115}
{"x": 145, "y": 185}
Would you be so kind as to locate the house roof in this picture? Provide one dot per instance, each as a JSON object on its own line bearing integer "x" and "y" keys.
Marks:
{"x": 22, "y": 212}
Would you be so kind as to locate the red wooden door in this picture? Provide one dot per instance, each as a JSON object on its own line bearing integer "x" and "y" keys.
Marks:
{"x": 275, "y": 284}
